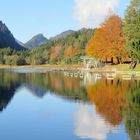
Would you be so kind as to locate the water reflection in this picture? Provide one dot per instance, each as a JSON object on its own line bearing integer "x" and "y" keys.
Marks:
{"x": 105, "y": 103}
{"x": 41, "y": 83}
{"x": 7, "y": 89}
{"x": 36, "y": 91}
{"x": 109, "y": 98}
{"x": 6, "y": 95}
{"x": 131, "y": 113}
{"x": 90, "y": 124}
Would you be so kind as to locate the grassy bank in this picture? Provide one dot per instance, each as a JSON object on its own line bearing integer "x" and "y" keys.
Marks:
{"x": 123, "y": 67}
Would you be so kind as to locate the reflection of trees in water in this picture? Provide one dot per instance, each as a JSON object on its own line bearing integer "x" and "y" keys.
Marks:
{"x": 41, "y": 83}
{"x": 8, "y": 86}
{"x": 109, "y": 98}
{"x": 67, "y": 87}
{"x": 9, "y": 82}
{"x": 56, "y": 83}
{"x": 131, "y": 112}
{"x": 118, "y": 100}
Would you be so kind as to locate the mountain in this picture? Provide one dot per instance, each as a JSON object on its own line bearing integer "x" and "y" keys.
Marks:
{"x": 7, "y": 39}
{"x": 66, "y": 50}
{"x": 36, "y": 41}
{"x": 39, "y": 39}
{"x": 19, "y": 42}
{"x": 62, "y": 35}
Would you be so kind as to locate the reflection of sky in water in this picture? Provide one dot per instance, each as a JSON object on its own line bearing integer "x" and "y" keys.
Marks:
{"x": 31, "y": 118}
{"x": 27, "y": 70}
{"x": 89, "y": 124}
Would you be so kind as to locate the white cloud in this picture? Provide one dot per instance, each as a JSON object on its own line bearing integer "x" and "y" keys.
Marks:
{"x": 89, "y": 124}
{"x": 93, "y": 12}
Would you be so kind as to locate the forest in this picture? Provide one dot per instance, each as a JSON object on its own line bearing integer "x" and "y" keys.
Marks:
{"x": 62, "y": 51}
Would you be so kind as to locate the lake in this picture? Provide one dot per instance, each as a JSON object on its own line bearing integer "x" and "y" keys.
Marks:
{"x": 40, "y": 104}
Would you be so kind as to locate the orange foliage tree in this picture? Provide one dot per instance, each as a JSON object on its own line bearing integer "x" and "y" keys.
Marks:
{"x": 107, "y": 41}
{"x": 70, "y": 51}
{"x": 55, "y": 52}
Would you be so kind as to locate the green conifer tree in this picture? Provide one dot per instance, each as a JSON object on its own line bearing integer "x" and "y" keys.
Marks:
{"x": 131, "y": 30}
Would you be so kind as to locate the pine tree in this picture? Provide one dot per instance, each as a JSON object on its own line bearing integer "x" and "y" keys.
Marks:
{"x": 131, "y": 29}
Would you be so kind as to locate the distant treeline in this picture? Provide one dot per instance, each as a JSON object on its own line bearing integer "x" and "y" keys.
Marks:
{"x": 62, "y": 51}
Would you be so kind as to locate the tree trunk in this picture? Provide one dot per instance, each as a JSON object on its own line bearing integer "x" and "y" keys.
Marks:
{"x": 118, "y": 59}
{"x": 112, "y": 60}
{"x": 133, "y": 65}
{"x": 138, "y": 61}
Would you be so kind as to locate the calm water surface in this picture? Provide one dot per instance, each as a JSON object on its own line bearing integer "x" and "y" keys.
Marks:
{"x": 51, "y": 106}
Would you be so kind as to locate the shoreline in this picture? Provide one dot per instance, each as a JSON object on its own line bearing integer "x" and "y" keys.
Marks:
{"x": 107, "y": 69}
{"x": 40, "y": 66}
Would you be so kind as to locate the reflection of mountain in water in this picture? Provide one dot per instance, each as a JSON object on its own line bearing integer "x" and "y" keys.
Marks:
{"x": 8, "y": 85}
{"x": 6, "y": 94}
{"x": 36, "y": 91}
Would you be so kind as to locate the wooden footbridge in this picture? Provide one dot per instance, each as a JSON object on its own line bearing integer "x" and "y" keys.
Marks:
{"x": 75, "y": 74}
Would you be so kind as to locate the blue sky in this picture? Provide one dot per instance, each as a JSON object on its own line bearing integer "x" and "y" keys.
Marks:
{"x": 26, "y": 18}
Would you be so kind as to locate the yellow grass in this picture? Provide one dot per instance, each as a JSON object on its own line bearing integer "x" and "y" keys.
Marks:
{"x": 121, "y": 67}
{"x": 124, "y": 67}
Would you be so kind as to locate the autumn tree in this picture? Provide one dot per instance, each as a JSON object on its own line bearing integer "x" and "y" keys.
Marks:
{"x": 68, "y": 52}
{"x": 95, "y": 46}
{"x": 55, "y": 54}
{"x": 107, "y": 41}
